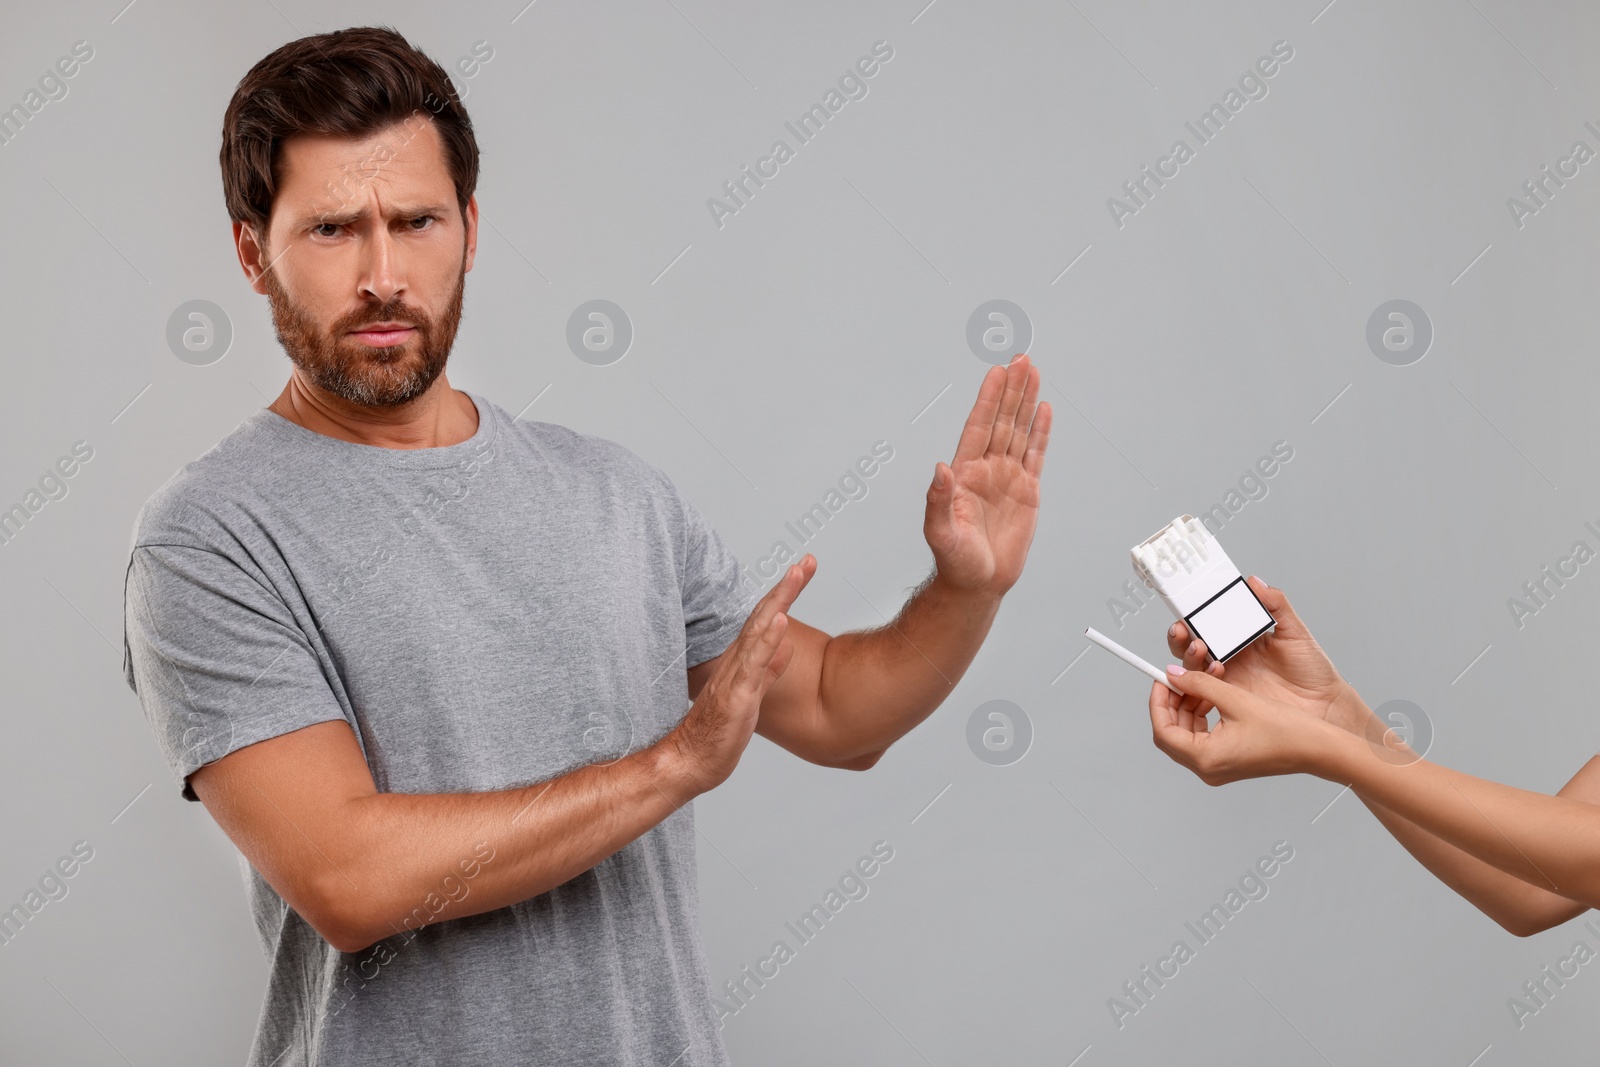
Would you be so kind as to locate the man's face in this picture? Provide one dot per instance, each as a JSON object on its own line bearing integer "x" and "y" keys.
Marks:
{"x": 366, "y": 233}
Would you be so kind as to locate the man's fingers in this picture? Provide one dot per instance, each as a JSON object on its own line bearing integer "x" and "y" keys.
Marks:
{"x": 781, "y": 658}
{"x": 776, "y": 600}
{"x": 1005, "y": 421}
{"x": 785, "y": 591}
{"x": 778, "y": 653}
{"x": 980, "y": 422}
{"x": 751, "y": 664}
{"x": 1038, "y": 439}
{"x": 793, "y": 581}
{"x": 1025, "y": 413}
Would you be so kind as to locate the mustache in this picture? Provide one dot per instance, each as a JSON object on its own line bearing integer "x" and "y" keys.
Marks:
{"x": 371, "y": 376}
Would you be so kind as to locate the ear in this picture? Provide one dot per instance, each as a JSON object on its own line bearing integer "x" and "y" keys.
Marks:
{"x": 252, "y": 256}
{"x": 471, "y": 220}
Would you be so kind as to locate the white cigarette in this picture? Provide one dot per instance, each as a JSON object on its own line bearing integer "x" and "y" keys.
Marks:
{"x": 1129, "y": 658}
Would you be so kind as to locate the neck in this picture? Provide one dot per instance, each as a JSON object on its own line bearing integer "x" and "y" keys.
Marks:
{"x": 439, "y": 417}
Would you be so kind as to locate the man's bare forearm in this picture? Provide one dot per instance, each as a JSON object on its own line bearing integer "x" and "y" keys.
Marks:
{"x": 402, "y": 859}
{"x": 877, "y": 685}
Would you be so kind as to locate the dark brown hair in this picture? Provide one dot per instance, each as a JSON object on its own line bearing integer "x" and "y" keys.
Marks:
{"x": 350, "y": 83}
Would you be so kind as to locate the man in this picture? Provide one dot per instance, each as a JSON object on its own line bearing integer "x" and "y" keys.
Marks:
{"x": 1527, "y": 860}
{"x": 431, "y": 668}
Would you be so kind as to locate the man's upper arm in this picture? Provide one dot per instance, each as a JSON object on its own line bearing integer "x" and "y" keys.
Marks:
{"x": 242, "y": 711}
{"x": 216, "y": 657}
{"x": 279, "y": 801}
{"x": 792, "y": 715}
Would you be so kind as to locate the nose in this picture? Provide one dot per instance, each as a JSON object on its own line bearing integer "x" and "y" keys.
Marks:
{"x": 382, "y": 272}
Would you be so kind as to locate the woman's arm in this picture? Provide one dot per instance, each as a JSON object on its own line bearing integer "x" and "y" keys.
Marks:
{"x": 1482, "y": 832}
{"x": 1522, "y": 908}
{"x": 1550, "y": 843}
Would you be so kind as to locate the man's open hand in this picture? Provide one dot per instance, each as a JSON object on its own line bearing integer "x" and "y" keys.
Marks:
{"x": 984, "y": 505}
{"x": 705, "y": 746}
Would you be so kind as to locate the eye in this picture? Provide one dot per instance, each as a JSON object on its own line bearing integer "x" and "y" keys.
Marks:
{"x": 320, "y": 225}
{"x": 420, "y": 218}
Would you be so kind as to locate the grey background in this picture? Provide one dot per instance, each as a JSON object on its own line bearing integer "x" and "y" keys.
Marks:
{"x": 1228, "y": 314}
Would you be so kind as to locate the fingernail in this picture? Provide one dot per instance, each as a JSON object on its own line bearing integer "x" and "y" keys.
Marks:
{"x": 1194, "y": 647}
{"x": 1172, "y": 631}
{"x": 1173, "y": 668}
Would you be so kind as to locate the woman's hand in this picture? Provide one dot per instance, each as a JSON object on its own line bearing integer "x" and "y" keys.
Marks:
{"x": 1286, "y": 666}
{"x": 1256, "y": 736}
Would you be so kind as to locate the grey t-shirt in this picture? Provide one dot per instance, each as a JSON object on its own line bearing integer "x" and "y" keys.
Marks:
{"x": 484, "y": 615}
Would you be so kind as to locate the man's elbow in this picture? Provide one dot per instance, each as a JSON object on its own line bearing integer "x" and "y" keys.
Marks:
{"x": 342, "y": 918}
{"x": 1521, "y": 926}
{"x": 860, "y": 763}
{"x": 1529, "y": 920}
{"x": 350, "y": 941}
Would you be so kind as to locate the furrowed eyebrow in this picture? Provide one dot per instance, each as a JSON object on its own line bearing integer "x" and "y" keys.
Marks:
{"x": 344, "y": 218}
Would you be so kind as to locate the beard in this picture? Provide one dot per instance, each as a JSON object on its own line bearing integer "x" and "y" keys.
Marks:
{"x": 357, "y": 372}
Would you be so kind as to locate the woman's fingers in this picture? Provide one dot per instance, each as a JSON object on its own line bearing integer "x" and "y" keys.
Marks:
{"x": 1178, "y": 638}
{"x": 1227, "y": 698}
{"x": 1277, "y": 602}
{"x": 1174, "y": 730}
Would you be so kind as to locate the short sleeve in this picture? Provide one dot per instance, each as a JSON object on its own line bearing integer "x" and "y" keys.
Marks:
{"x": 216, "y": 658}
{"x": 717, "y": 595}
